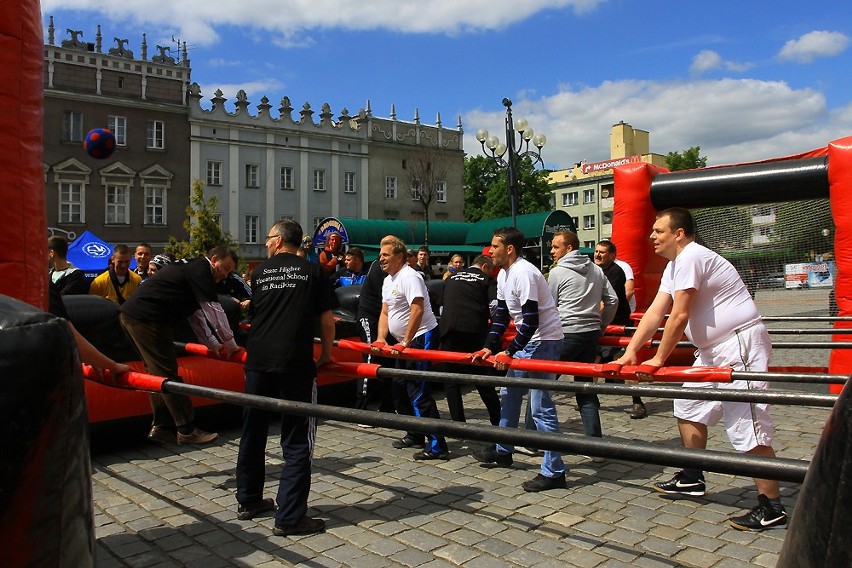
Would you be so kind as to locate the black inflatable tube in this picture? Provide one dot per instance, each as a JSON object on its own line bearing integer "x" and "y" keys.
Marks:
{"x": 784, "y": 180}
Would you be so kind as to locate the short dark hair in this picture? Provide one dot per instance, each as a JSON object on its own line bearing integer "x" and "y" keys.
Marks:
{"x": 424, "y": 248}
{"x": 511, "y": 236}
{"x": 289, "y": 230}
{"x": 570, "y": 238}
{"x": 58, "y": 245}
{"x": 121, "y": 249}
{"x": 679, "y": 218}
{"x": 224, "y": 251}
{"x": 610, "y": 246}
{"x": 146, "y": 245}
{"x": 356, "y": 252}
{"x": 485, "y": 261}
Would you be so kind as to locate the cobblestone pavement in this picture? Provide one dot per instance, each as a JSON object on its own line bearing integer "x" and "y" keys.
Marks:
{"x": 158, "y": 506}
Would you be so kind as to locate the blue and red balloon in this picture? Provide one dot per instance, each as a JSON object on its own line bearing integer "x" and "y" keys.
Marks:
{"x": 99, "y": 143}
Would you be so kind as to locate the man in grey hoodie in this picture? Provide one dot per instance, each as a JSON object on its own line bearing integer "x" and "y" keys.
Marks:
{"x": 579, "y": 286}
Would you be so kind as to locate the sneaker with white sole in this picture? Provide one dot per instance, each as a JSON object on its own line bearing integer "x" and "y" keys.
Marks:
{"x": 679, "y": 485}
{"x": 762, "y": 517}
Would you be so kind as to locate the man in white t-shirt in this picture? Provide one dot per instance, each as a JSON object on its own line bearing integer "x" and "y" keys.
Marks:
{"x": 523, "y": 295}
{"x": 407, "y": 317}
{"x": 707, "y": 300}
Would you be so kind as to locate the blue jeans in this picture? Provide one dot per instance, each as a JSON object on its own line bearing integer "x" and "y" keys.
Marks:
{"x": 543, "y": 409}
{"x": 582, "y": 348}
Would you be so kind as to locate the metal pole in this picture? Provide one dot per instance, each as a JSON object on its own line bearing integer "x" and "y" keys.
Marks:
{"x": 511, "y": 174}
{"x": 782, "y": 469}
{"x": 751, "y": 396}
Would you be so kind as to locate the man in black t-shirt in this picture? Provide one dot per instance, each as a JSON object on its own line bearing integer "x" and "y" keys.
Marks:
{"x": 369, "y": 308}
{"x": 148, "y": 317}
{"x": 605, "y": 258}
{"x": 465, "y": 316}
{"x": 289, "y": 296}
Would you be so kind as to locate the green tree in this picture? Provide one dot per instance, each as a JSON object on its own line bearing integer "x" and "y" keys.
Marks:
{"x": 803, "y": 228}
{"x": 202, "y": 225}
{"x": 486, "y": 191}
{"x": 723, "y": 228}
{"x": 690, "y": 159}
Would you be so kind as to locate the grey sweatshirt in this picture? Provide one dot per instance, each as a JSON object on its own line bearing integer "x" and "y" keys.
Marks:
{"x": 579, "y": 286}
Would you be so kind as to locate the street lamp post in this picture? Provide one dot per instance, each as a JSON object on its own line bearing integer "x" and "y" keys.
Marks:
{"x": 494, "y": 149}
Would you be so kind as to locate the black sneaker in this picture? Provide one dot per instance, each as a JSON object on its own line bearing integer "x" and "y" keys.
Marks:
{"x": 542, "y": 483}
{"x": 427, "y": 455}
{"x": 306, "y": 526}
{"x": 491, "y": 455}
{"x": 407, "y": 442}
{"x": 762, "y": 517}
{"x": 678, "y": 485}
{"x": 251, "y": 510}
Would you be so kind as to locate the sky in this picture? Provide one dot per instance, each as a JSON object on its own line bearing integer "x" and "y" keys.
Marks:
{"x": 743, "y": 80}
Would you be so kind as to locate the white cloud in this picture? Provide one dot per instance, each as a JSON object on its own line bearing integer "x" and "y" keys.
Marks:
{"x": 731, "y": 120}
{"x": 222, "y": 62}
{"x": 813, "y": 45}
{"x": 198, "y": 19}
{"x": 708, "y": 60}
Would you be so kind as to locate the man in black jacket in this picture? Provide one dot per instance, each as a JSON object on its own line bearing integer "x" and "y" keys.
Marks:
{"x": 67, "y": 278}
{"x": 465, "y": 300}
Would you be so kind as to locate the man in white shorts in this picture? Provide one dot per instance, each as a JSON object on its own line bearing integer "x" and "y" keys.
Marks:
{"x": 707, "y": 300}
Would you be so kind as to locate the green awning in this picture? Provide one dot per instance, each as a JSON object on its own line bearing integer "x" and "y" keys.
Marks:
{"x": 442, "y": 234}
{"x": 533, "y": 225}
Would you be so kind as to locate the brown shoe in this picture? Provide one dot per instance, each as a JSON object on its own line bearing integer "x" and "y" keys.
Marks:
{"x": 197, "y": 436}
{"x": 306, "y": 526}
{"x": 162, "y": 435}
{"x": 251, "y": 510}
{"x": 638, "y": 411}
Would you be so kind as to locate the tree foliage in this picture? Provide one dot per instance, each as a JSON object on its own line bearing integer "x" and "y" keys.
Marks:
{"x": 690, "y": 159}
{"x": 486, "y": 194}
{"x": 426, "y": 170}
{"x": 799, "y": 227}
{"x": 723, "y": 228}
{"x": 202, "y": 224}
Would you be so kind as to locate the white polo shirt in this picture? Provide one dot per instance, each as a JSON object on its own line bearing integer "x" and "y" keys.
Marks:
{"x": 398, "y": 292}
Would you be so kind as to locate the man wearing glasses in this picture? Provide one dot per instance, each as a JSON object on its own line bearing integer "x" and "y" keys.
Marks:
{"x": 290, "y": 296}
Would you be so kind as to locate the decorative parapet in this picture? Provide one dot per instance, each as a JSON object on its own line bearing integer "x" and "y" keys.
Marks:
{"x": 362, "y": 125}
{"x": 76, "y": 42}
{"x": 344, "y": 125}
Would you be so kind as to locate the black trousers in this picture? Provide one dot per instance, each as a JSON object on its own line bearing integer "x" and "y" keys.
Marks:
{"x": 298, "y": 435}
{"x": 464, "y": 342}
{"x": 367, "y": 390}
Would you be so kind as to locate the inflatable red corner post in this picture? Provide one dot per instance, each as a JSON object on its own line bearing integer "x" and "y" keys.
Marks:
{"x": 840, "y": 191}
{"x": 633, "y": 217}
{"x": 46, "y": 499}
{"x": 23, "y": 240}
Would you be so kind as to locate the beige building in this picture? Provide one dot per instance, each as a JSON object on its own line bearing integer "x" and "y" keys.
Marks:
{"x": 586, "y": 191}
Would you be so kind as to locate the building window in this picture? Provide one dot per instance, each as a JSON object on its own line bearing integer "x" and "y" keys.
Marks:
{"x": 348, "y": 182}
{"x": 569, "y": 199}
{"x": 588, "y": 221}
{"x": 441, "y": 191}
{"x": 576, "y": 221}
{"x": 390, "y": 187}
{"x": 606, "y": 218}
{"x": 319, "y": 180}
{"x": 214, "y": 173}
{"x": 72, "y": 126}
{"x": 589, "y": 244}
{"x": 317, "y": 221}
{"x": 155, "y": 205}
{"x": 156, "y": 134}
{"x": 588, "y": 196}
{"x": 252, "y": 175}
{"x": 415, "y": 190}
{"x": 287, "y": 178}
{"x": 118, "y": 126}
{"x": 217, "y": 219}
{"x": 251, "y": 224}
{"x": 70, "y": 202}
{"x": 116, "y": 205}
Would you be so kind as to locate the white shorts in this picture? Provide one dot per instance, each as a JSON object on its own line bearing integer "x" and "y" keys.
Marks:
{"x": 748, "y": 424}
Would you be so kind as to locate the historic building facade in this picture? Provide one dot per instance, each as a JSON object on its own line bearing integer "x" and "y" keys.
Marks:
{"x": 140, "y": 193}
{"x": 308, "y": 167}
